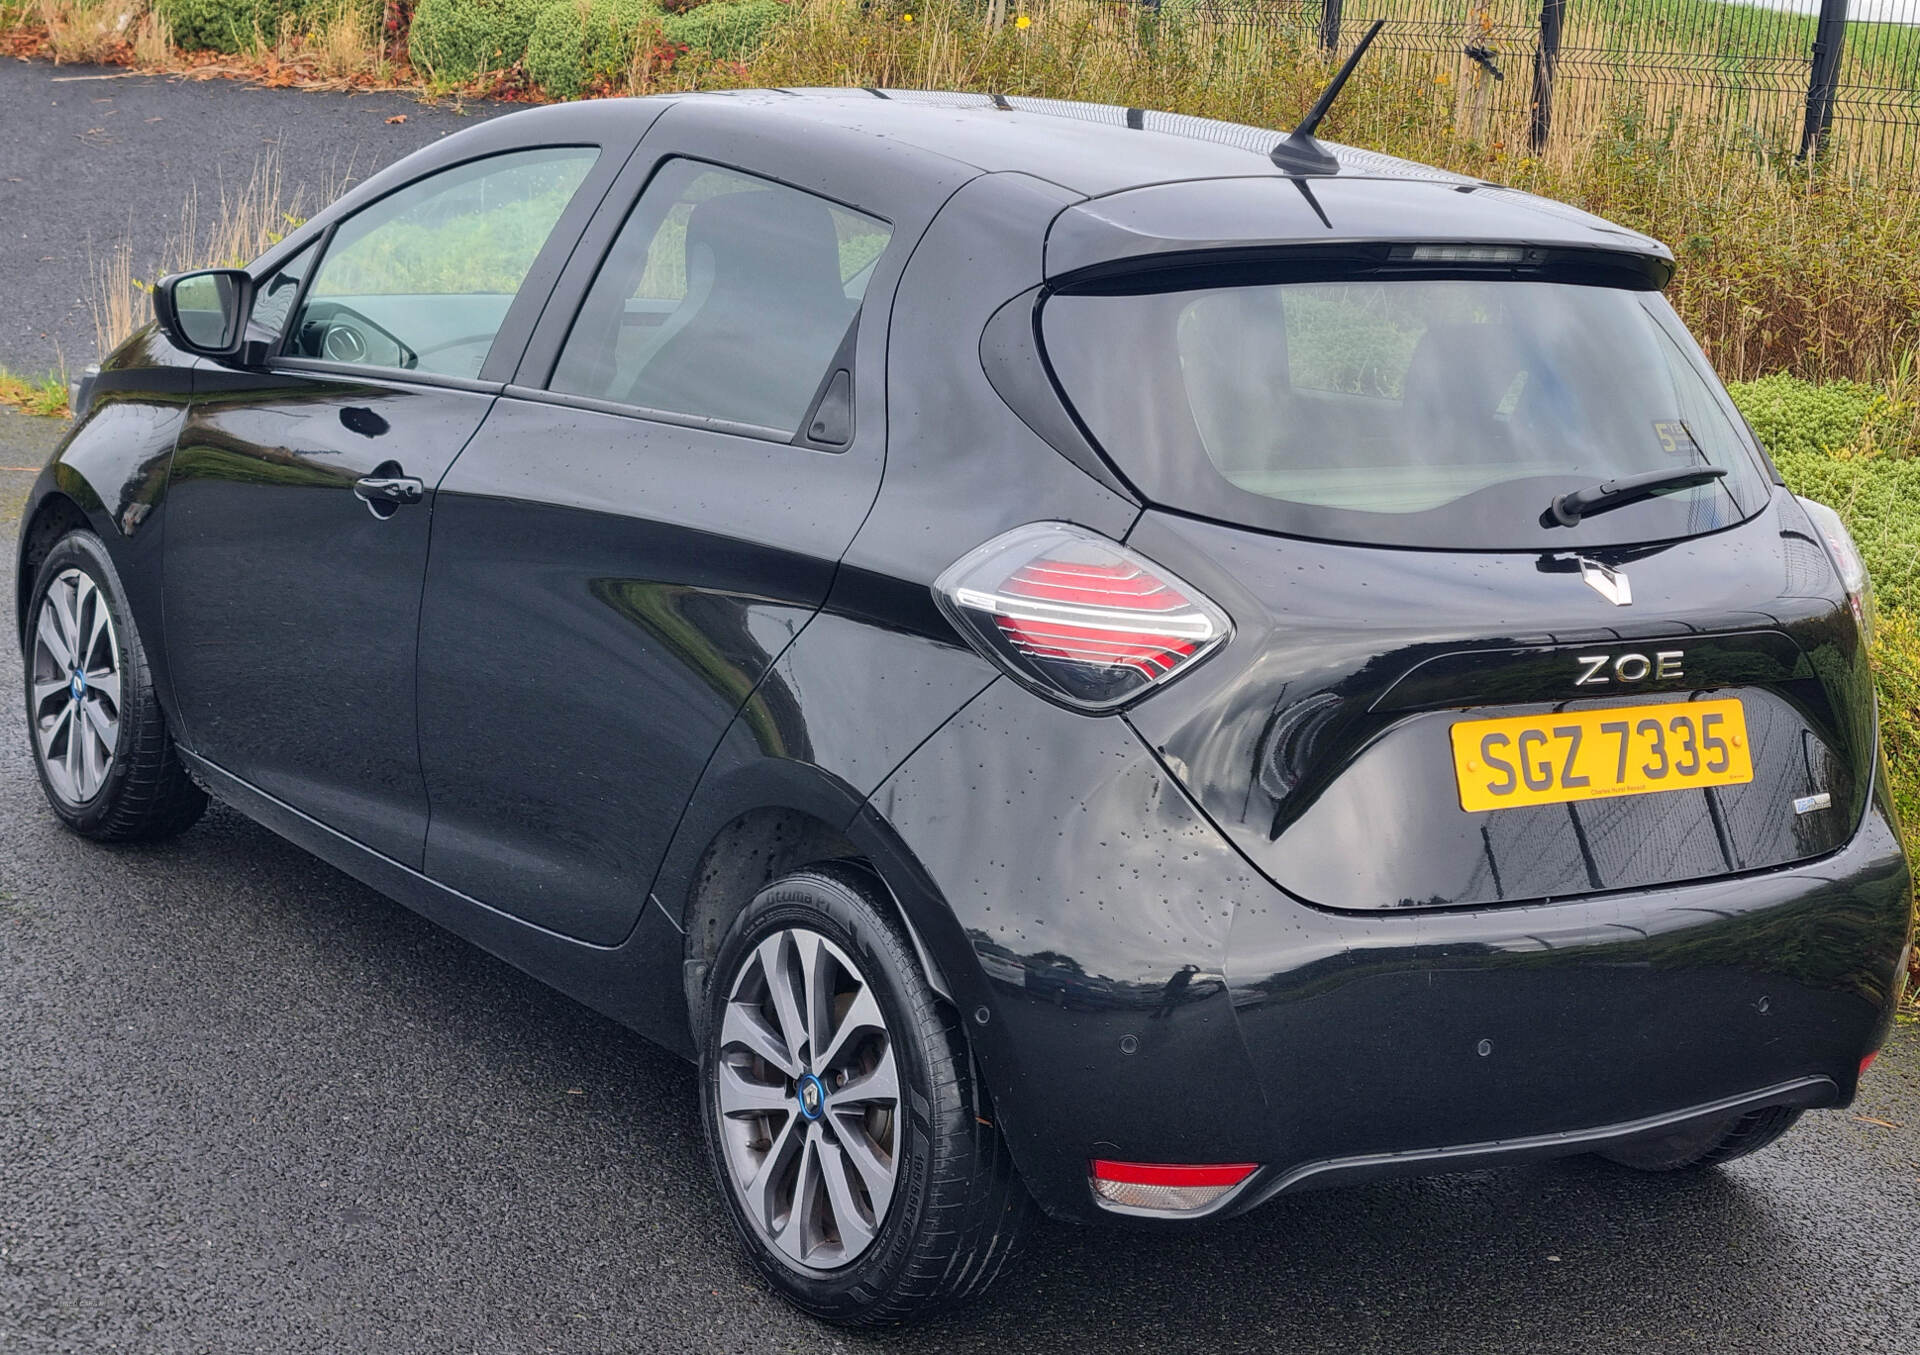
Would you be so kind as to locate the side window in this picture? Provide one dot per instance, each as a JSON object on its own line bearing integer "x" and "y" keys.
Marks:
{"x": 422, "y": 279}
{"x": 274, "y": 299}
{"x": 724, "y": 297}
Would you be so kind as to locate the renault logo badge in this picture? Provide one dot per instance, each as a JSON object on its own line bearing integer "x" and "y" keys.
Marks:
{"x": 812, "y": 1095}
{"x": 1610, "y": 584}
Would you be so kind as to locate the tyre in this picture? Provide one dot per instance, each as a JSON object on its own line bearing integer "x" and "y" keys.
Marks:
{"x": 1720, "y": 1141}
{"x": 851, "y": 1139}
{"x": 99, "y": 739}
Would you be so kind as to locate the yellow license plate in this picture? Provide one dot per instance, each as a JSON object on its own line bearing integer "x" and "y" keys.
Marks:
{"x": 1594, "y": 754}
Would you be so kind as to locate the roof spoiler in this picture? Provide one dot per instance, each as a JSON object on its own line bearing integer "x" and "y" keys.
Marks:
{"x": 1300, "y": 154}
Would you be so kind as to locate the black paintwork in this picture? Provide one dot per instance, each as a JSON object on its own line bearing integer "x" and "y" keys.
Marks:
{"x": 610, "y": 671}
{"x": 1296, "y": 735}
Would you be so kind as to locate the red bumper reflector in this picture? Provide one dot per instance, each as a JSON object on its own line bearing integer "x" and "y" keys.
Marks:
{"x": 1157, "y": 1174}
{"x": 1164, "y": 1188}
{"x": 1867, "y": 1062}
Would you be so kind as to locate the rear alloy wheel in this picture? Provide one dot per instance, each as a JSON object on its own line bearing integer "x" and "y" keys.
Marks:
{"x": 809, "y": 1100}
{"x": 864, "y": 1175}
{"x": 99, "y": 739}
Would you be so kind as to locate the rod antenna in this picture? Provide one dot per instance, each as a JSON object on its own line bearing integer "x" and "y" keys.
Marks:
{"x": 1300, "y": 154}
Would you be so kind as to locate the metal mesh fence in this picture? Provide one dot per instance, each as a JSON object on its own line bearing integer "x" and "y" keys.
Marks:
{"x": 1775, "y": 79}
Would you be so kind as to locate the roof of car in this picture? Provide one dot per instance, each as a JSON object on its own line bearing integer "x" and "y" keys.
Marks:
{"x": 1102, "y": 150}
{"x": 998, "y": 132}
{"x": 1129, "y": 183}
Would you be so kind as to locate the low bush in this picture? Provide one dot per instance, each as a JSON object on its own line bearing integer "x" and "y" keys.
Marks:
{"x": 1794, "y": 417}
{"x": 1854, "y": 448}
{"x": 726, "y": 31}
{"x": 238, "y": 25}
{"x": 455, "y": 40}
{"x": 1896, "y": 672}
{"x": 579, "y": 44}
{"x": 1849, "y": 446}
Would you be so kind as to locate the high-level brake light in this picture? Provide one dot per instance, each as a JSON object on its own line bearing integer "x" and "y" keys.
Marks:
{"x": 1077, "y": 617}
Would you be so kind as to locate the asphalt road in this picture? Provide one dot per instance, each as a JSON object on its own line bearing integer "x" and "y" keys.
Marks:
{"x": 91, "y": 156}
{"x": 248, "y": 1105}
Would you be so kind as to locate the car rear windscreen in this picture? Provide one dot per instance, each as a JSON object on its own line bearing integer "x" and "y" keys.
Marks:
{"x": 1419, "y": 412}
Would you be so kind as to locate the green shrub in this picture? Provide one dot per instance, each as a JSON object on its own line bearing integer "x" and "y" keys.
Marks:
{"x": 1831, "y": 444}
{"x": 457, "y": 39}
{"x": 576, "y": 43}
{"x": 727, "y": 31}
{"x": 1896, "y": 671}
{"x": 1853, "y": 447}
{"x": 237, "y": 25}
{"x": 1793, "y": 416}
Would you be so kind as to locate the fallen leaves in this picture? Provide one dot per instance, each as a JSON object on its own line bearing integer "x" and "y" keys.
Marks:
{"x": 396, "y": 119}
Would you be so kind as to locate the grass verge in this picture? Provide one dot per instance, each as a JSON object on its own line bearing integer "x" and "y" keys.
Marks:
{"x": 46, "y": 396}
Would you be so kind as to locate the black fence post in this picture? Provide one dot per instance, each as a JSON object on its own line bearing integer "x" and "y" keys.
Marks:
{"x": 1823, "y": 77}
{"x": 1546, "y": 63}
{"x": 1330, "y": 25}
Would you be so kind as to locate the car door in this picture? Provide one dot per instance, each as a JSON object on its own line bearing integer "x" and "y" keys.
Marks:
{"x": 301, "y": 491}
{"x": 648, "y": 518}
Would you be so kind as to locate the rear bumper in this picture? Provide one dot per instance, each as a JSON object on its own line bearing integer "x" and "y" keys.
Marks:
{"x": 1138, "y": 992}
{"x": 1263, "y": 1185}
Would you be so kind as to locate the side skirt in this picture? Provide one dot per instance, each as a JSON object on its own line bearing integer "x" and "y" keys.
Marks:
{"x": 636, "y": 983}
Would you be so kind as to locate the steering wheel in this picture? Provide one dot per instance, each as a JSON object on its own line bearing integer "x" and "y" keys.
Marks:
{"x": 342, "y": 334}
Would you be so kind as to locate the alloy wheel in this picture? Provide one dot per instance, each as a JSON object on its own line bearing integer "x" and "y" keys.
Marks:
{"x": 808, "y": 1099}
{"x": 74, "y": 687}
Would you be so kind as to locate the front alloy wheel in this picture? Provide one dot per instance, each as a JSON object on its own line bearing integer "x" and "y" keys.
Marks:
{"x": 859, "y": 1158}
{"x": 99, "y": 738}
{"x": 74, "y": 687}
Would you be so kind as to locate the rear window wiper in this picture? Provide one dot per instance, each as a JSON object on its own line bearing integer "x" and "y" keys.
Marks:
{"x": 1568, "y": 509}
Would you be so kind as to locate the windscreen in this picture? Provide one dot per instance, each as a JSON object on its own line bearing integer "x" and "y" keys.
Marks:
{"x": 1441, "y": 413}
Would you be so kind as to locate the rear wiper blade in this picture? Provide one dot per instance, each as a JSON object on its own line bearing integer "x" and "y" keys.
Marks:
{"x": 1568, "y": 509}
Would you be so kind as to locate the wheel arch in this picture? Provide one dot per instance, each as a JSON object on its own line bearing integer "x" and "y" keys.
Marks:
{"x": 733, "y": 843}
{"x": 52, "y": 517}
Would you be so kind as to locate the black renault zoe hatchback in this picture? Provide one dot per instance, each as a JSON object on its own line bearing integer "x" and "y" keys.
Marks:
{"x": 1066, "y": 662}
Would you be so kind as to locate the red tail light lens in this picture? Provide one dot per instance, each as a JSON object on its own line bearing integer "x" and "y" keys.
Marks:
{"x": 1077, "y": 617}
{"x": 1847, "y": 560}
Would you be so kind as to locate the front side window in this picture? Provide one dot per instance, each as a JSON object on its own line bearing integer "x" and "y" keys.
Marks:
{"x": 274, "y": 300}
{"x": 724, "y": 297}
{"x": 422, "y": 279}
{"x": 1446, "y": 413}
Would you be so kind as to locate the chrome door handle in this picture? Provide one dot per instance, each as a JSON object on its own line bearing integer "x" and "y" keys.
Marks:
{"x": 383, "y": 494}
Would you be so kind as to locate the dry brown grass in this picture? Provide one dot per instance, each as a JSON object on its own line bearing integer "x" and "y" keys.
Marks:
{"x": 348, "y": 45}
{"x": 90, "y": 31}
{"x": 241, "y": 225}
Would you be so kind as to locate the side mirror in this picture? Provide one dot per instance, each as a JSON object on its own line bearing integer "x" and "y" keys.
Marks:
{"x": 204, "y": 312}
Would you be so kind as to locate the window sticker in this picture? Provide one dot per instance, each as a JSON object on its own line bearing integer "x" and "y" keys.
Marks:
{"x": 1676, "y": 439}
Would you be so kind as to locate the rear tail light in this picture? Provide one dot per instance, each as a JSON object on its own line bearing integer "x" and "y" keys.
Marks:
{"x": 1077, "y": 617}
{"x": 1164, "y": 1189}
{"x": 1847, "y": 560}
